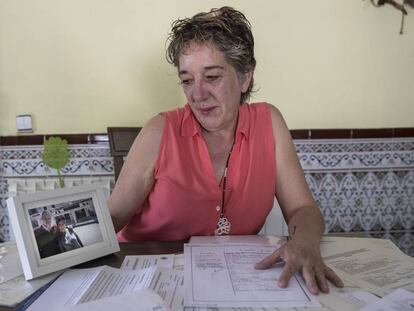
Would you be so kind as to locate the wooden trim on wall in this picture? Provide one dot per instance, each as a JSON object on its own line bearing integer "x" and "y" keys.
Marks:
{"x": 352, "y": 133}
{"x": 98, "y": 138}
{"x": 72, "y": 139}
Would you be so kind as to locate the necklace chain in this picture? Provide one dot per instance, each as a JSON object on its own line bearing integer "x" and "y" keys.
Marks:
{"x": 223, "y": 224}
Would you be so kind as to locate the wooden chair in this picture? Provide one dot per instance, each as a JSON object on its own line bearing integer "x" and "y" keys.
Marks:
{"x": 120, "y": 141}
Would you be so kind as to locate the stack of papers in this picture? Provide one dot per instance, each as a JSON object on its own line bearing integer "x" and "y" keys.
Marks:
{"x": 375, "y": 265}
{"x": 78, "y": 286}
{"x": 219, "y": 275}
{"x": 223, "y": 276}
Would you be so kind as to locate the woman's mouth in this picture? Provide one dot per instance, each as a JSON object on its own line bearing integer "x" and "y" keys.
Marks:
{"x": 207, "y": 110}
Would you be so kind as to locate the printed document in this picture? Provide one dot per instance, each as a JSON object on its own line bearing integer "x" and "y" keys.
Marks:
{"x": 169, "y": 284}
{"x": 369, "y": 265}
{"x": 136, "y": 262}
{"x": 168, "y": 278}
{"x": 344, "y": 299}
{"x": 83, "y": 285}
{"x": 142, "y": 300}
{"x": 399, "y": 300}
{"x": 223, "y": 275}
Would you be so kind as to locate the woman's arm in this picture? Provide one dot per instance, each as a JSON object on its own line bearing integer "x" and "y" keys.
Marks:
{"x": 305, "y": 221}
{"x": 136, "y": 178}
{"x": 292, "y": 191}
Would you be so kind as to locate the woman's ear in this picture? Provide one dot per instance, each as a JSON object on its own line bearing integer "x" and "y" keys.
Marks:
{"x": 245, "y": 79}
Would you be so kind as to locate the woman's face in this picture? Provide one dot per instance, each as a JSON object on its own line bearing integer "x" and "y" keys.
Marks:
{"x": 212, "y": 86}
{"x": 61, "y": 226}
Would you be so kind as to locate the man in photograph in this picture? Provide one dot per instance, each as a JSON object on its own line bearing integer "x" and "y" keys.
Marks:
{"x": 46, "y": 237}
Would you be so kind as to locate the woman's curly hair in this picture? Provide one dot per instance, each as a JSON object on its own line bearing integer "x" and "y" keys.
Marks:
{"x": 226, "y": 28}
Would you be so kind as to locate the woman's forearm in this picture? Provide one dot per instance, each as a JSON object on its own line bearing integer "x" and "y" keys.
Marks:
{"x": 307, "y": 222}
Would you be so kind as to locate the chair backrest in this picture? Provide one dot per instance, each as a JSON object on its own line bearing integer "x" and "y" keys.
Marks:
{"x": 120, "y": 141}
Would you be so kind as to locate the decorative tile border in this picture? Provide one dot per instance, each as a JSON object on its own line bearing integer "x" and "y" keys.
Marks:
{"x": 357, "y": 154}
{"x": 354, "y": 145}
{"x": 25, "y": 161}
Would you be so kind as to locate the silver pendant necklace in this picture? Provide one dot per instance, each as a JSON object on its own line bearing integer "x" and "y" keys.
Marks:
{"x": 223, "y": 224}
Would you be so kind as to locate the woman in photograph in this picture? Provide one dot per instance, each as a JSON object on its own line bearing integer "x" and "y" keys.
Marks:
{"x": 67, "y": 237}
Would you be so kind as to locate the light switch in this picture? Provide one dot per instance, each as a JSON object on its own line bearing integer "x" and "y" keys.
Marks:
{"x": 24, "y": 123}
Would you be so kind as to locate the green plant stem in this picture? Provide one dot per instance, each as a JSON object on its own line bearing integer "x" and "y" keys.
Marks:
{"x": 61, "y": 182}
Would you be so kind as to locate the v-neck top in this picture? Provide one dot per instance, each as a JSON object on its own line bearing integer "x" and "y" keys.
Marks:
{"x": 186, "y": 198}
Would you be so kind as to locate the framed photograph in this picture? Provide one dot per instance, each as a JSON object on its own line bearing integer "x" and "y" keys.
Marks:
{"x": 57, "y": 229}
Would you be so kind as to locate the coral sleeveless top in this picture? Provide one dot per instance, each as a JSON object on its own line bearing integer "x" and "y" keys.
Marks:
{"x": 186, "y": 198}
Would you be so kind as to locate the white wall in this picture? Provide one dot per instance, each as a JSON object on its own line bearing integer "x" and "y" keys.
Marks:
{"x": 79, "y": 66}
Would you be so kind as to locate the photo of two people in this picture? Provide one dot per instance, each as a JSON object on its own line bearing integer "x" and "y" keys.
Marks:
{"x": 63, "y": 227}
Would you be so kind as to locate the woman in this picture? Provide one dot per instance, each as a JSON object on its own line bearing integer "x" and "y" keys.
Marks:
{"x": 67, "y": 238}
{"x": 215, "y": 165}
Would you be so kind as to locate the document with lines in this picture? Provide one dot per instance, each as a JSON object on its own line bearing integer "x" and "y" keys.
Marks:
{"x": 223, "y": 275}
{"x": 370, "y": 264}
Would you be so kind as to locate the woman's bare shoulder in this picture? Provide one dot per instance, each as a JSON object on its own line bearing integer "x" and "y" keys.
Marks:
{"x": 151, "y": 134}
{"x": 274, "y": 111}
{"x": 278, "y": 122}
{"x": 154, "y": 127}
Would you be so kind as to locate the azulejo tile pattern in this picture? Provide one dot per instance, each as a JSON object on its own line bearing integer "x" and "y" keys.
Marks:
{"x": 4, "y": 218}
{"x": 363, "y": 186}
{"x": 26, "y": 161}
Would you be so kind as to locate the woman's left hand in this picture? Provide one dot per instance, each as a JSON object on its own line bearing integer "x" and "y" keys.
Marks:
{"x": 302, "y": 255}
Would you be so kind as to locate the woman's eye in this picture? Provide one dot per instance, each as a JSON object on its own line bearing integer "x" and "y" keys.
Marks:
{"x": 212, "y": 78}
{"x": 186, "y": 81}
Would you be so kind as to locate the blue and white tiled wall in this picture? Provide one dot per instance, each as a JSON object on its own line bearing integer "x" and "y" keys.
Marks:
{"x": 363, "y": 186}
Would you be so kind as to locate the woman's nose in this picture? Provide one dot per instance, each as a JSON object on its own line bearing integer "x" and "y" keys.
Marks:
{"x": 200, "y": 92}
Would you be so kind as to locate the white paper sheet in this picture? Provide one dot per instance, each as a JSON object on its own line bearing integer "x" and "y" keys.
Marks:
{"x": 168, "y": 278}
{"x": 178, "y": 262}
{"x": 345, "y": 299}
{"x": 239, "y": 239}
{"x": 10, "y": 266}
{"x": 222, "y": 276}
{"x": 146, "y": 261}
{"x": 369, "y": 264}
{"x": 83, "y": 285}
{"x": 169, "y": 284}
{"x": 112, "y": 282}
{"x": 399, "y": 300}
{"x": 136, "y": 262}
{"x": 142, "y": 300}
{"x": 16, "y": 290}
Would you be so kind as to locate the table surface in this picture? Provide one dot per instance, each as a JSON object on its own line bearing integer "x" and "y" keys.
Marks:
{"x": 136, "y": 248}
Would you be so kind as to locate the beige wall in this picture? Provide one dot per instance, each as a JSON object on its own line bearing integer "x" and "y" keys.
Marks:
{"x": 79, "y": 66}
